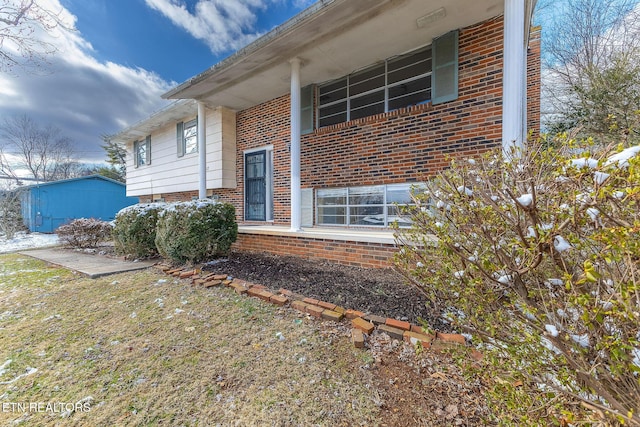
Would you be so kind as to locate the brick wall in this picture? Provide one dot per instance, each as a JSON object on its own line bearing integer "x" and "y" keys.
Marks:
{"x": 360, "y": 254}
{"x": 405, "y": 145}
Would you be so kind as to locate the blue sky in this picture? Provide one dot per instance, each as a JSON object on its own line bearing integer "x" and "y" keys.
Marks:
{"x": 111, "y": 71}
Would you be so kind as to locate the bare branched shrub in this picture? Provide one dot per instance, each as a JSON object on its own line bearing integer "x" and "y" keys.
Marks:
{"x": 538, "y": 259}
{"x": 10, "y": 215}
{"x": 84, "y": 233}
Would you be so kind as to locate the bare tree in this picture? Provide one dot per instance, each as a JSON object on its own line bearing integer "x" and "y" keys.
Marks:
{"x": 591, "y": 49}
{"x": 43, "y": 152}
{"x": 20, "y": 43}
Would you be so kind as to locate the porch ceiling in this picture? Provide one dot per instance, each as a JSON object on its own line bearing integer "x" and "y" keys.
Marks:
{"x": 323, "y": 38}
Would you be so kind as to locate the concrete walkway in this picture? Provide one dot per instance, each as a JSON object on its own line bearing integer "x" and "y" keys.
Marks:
{"x": 90, "y": 265}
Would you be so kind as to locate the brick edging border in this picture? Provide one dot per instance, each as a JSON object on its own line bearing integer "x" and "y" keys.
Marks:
{"x": 362, "y": 324}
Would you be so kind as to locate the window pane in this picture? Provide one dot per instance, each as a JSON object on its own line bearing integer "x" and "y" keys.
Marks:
{"x": 400, "y": 194}
{"x": 142, "y": 153}
{"x": 366, "y": 215}
{"x": 190, "y": 137}
{"x": 373, "y": 195}
{"x": 333, "y": 91}
{"x": 333, "y": 114}
{"x": 366, "y": 80}
{"x": 329, "y": 197}
{"x": 367, "y": 105}
{"x": 394, "y": 216}
{"x": 335, "y": 215}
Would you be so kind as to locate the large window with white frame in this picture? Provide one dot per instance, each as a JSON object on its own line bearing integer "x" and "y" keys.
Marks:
{"x": 396, "y": 83}
{"x": 367, "y": 206}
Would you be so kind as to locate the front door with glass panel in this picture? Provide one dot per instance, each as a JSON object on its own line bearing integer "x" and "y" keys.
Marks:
{"x": 256, "y": 186}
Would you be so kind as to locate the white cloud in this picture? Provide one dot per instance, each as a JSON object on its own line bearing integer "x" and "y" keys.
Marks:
{"x": 225, "y": 25}
{"x": 79, "y": 94}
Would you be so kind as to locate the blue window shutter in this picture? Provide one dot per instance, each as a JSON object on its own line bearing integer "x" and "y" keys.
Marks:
{"x": 180, "y": 138}
{"x": 148, "y": 150}
{"x": 306, "y": 109}
{"x": 445, "y": 68}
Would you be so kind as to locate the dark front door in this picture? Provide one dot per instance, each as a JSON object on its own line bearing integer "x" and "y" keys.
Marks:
{"x": 256, "y": 186}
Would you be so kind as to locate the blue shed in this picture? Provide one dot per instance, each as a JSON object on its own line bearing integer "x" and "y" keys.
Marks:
{"x": 47, "y": 206}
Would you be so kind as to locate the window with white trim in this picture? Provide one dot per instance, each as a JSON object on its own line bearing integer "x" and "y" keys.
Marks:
{"x": 142, "y": 152}
{"x": 367, "y": 206}
{"x": 187, "y": 137}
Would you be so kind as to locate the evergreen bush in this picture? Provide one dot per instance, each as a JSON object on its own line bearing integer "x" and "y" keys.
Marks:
{"x": 196, "y": 231}
{"x": 134, "y": 230}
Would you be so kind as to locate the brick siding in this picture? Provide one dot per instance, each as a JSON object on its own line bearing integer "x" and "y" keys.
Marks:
{"x": 405, "y": 145}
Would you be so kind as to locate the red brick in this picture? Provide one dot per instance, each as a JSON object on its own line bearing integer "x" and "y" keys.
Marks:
{"x": 363, "y": 325}
{"x": 327, "y": 305}
{"x": 340, "y": 310}
{"x": 352, "y": 314}
{"x": 285, "y": 292}
{"x": 226, "y": 282}
{"x": 238, "y": 288}
{"x": 357, "y": 338}
{"x": 264, "y": 295}
{"x": 253, "y": 291}
{"x": 414, "y": 337}
{"x": 300, "y": 306}
{"x": 456, "y": 338}
{"x": 417, "y": 328}
{"x": 220, "y": 276}
{"x": 395, "y": 333}
{"x": 332, "y": 315}
{"x": 279, "y": 299}
{"x": 311, "y": 301}
{"x": 378, "y": 320}
{"x": 314, "y": 310}
{"x": 212, "y": 283}
{"x": 406, "y": 326}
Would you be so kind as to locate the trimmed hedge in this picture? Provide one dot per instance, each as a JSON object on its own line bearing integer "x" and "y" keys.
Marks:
{"x": 196, "y": 231}
{"x": 134, "y": 231}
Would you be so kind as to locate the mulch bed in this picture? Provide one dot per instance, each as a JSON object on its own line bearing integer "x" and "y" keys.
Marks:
{"x": 383, "y": 292}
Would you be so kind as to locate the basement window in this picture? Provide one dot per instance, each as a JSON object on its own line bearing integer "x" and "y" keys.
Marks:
{"x": 366, "y": 206}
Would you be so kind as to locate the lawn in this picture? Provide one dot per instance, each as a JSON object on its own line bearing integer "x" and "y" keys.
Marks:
{"x": 145, "y": 349}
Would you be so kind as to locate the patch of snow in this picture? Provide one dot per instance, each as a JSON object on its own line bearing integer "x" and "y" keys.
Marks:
{"x": 505, "y": 279}
{"x": 552, "y": 330}
{"x": 495, "y": 198}
{"x": 622, "y": 158}
{"x": 525, "y": 200}
{"x": 28, "y": 371}
{"x": 471, "y": 161}
{"x": 618, "y": 194}
{"x": 600, "y": 177}
{"x": 465, "y": 190}
{"x": 23, "y": 240}
{"x": 178, "y": 311}
{"x": 458, "y": 274}
{"x": 593, "y": 213}
{"x": 582, "y": 340}
{"x": 3, "y": 368}
{"x": 419, "y": 264}
{"x": 636, "y": 356}
{"x": 560, "y": 244}
{"x": 585, "y": 162}
{"x": 555, "y": 282}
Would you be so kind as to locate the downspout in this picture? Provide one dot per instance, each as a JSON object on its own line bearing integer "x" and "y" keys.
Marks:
{"x": 296, "y": 196}
{"x": 514, "y": 77}
{"x": 202, "y": 151}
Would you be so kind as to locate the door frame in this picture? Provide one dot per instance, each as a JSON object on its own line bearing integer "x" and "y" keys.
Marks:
{"x": 268, "y": 149}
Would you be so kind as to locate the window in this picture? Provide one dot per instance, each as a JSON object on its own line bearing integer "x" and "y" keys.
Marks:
{"x": 142, "y": 152}
{"x": 372, "y": 206}
{"x": 187, "y": 137}
{"x": 396, "y": 83}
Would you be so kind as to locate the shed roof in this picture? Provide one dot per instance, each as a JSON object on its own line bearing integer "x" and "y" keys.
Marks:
{"x": 81, "y": 178}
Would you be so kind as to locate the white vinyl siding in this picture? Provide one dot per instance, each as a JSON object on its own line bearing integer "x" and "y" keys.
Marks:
{"x": 168, "y": 174}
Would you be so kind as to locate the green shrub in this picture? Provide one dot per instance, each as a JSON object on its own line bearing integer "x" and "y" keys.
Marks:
{"x": 84, "y": 232}
{"x": 538, "y": 259}
{"x": 134, "y": 231}
{"x": 195, "y": 231}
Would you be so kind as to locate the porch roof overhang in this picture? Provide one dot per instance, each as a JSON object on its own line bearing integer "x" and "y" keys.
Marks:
{"x": 172, "y": 113}
{"x": 332, "y": 38}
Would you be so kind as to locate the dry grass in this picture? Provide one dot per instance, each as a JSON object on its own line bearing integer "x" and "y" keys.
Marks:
{"x": 147, "y": 352}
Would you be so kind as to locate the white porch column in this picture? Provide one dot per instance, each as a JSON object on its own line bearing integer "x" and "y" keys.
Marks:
{"x": 202, "y": 151}
{"x": 296, "y": 196}
{"x": 514, "y": 93}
